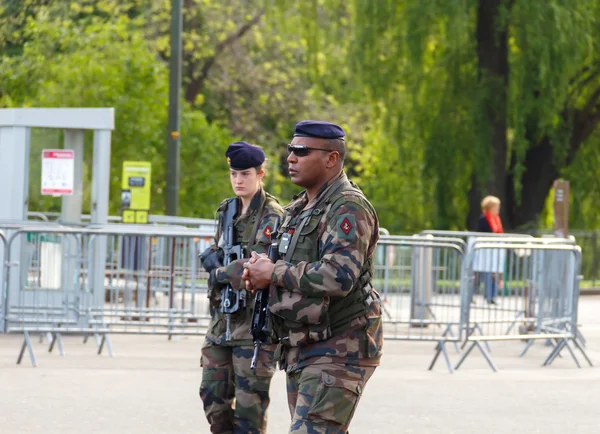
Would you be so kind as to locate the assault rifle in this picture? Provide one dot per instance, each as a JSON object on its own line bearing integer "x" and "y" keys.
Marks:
{"x": 231, "y": 300}
{"x": 261, "y": 324}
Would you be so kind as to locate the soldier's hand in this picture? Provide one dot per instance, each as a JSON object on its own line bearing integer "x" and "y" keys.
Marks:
{"x": 246, "y": 279}
{"x": 254, "y": 257}
{"x": 213, "y": 283}
{"x": 212, "y": 259}
{"x": 246, "y": 273}
{"x": 258, "y": 272}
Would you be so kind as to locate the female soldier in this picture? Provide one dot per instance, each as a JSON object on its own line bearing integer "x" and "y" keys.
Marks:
{"x": 226, "y": 374}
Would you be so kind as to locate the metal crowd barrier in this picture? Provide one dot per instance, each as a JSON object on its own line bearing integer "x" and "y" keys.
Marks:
{"x": 155, "y": 285}
{"x": 198, "y": 223}
{"x": 110, "y": 279}
{"x": 430, "y": 294}
{"x": 130, "y": 279}
{"x": 530, "y": 291}
{"x": 465, "y": 235}
{"x": 37, "y": 215}
{"x": 419, "y": 281}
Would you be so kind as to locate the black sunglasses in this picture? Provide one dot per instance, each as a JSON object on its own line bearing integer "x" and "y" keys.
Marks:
{"x": 303, "y": 150}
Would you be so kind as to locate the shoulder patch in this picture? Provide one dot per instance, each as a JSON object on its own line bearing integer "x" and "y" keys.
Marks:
{"x": 268, "y": 231}
{"x": 346, "y": 227}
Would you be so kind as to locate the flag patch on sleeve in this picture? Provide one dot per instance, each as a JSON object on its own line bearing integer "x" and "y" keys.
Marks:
{"x": 346, "y": 227}
{"x": 268, "y": 231}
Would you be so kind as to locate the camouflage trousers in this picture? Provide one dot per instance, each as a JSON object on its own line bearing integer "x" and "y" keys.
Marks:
{"x": 323, "y": 398}
{"x": 235, "y": 399}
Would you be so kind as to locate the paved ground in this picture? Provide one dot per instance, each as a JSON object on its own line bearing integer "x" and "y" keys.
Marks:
{"x": 151, "y": 386}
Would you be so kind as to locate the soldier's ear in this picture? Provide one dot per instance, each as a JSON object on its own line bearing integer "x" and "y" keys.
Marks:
{"x": 332, "y": 159}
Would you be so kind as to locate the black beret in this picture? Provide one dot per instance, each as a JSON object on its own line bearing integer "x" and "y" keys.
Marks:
{"x": 242, "y": 156}
{"x": 323, "y": 130}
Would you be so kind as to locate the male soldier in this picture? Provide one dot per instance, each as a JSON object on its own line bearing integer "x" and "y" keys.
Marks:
{"x": 325, "y": 312}
{"x": 235, "y": 398}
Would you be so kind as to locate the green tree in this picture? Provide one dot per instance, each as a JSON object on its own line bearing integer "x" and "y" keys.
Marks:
{"x": 443, "y": 101}
{"x": 500, "y": 95}
{"x": 102, "y": 59}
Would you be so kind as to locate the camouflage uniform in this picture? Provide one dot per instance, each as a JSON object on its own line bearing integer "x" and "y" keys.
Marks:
{"x": 325, "y": 311}
{"x": 226, "y": 373}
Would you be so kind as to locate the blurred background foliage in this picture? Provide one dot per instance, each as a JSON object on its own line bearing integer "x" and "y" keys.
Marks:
{"x": 443, "y": 101}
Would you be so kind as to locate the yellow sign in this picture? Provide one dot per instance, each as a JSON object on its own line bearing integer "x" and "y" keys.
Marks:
{"x": 133, "y": 216}
{"x": 141, "y": 217}
{"x": 135, "y": 191}
{"x": 128, "y": 216}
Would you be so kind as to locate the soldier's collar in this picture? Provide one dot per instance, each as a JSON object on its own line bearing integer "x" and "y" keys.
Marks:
{"x": 258, "y": 198}
{"x": 298, "y": 203}
{"x": 327, "y": 188}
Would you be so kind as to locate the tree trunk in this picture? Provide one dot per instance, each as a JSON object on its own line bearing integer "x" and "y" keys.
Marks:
{"x": 492, "y": 55}
{"x": 536, "y": 182}
{"x": 541, "y": 170}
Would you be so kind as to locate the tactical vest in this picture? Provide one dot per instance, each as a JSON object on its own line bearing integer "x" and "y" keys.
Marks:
{"x": 304, "y": 246}
{"x": 247, "y": 238}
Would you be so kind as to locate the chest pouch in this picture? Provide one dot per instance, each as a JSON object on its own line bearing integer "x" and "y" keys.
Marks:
{"x": 304, "y": 244}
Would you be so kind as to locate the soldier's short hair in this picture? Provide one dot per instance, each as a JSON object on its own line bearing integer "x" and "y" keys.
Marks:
{"x": 338, "y": 145}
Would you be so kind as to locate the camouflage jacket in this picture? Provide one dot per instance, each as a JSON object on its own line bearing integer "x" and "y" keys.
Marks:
{"x": 264, "y": 209}
{"x": 324, "y": 307}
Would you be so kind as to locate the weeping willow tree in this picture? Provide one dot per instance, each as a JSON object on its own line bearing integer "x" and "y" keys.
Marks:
{"x": 444, "y": 101}
{"x": 466, "y": 98}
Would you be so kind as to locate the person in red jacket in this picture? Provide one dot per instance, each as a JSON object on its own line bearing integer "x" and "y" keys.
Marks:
{"x": 489, "y": 221}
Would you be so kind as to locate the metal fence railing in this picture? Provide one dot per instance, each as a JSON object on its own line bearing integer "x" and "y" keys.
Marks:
{"x": 419, "y": 282}
{"x": 111, "y": 279}
{"x": 590, "y": 256}
{"x": 531, "y": 291}
{"x": 589, "y": 241}
{"x": 153, "y": 219}
{"x": 463, "y": 289}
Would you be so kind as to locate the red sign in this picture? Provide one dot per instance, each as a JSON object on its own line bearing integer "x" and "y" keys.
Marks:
{"x": 58, "y": 167}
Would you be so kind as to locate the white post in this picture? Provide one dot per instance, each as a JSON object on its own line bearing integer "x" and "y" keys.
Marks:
{"x": 72, "y": 205}
{"x": 14, "y": 179}
{"x": 422, "y": 286}
{"x": 71, "y": 213}
{"x": 101, "y": 176}
{"x": 100, "y": 195}
{"x": 14, "y": 173}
